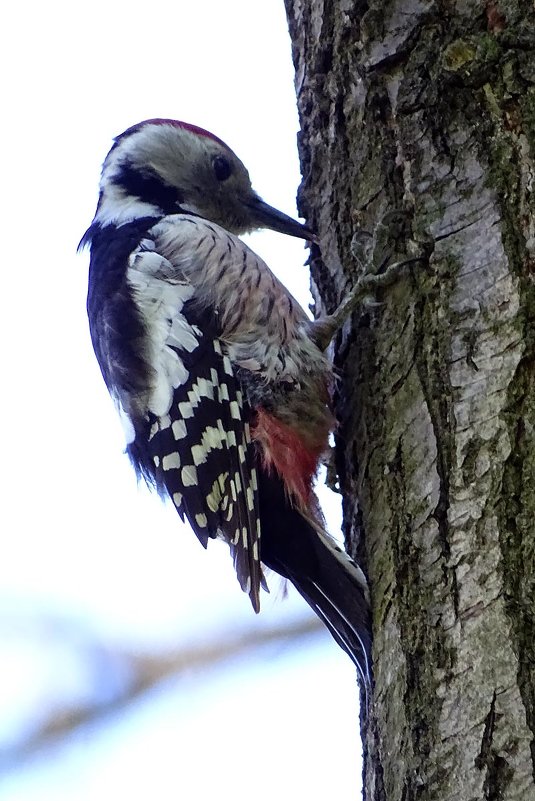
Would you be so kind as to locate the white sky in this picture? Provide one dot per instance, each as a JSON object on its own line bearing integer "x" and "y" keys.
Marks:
{"x": 78, "y": 538}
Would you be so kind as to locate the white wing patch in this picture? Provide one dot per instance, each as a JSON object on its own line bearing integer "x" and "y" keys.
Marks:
{"x": 160, "y": 294}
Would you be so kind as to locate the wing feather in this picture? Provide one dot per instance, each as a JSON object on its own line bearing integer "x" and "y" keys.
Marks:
{"x": 197, "y": 427}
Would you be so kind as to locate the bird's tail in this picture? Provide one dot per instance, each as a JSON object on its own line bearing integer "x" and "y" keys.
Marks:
{"x": 297, "y": 547}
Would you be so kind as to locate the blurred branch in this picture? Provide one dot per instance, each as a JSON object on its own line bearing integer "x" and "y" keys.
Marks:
{"x": 144, "y": 672}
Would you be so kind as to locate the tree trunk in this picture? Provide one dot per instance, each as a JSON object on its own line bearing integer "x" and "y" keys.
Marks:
{"x": 429, "y": 109}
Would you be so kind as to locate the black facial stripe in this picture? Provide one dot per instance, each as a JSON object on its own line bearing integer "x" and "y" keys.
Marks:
{"x": 148, "y": 188}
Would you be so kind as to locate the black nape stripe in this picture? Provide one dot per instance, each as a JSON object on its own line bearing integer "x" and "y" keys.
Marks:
{"x": 149, "y": 188}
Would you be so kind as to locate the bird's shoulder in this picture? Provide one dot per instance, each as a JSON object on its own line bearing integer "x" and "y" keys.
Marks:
{"x": 226, "y": 272}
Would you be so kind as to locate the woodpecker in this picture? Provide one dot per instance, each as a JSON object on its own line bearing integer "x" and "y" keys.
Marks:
{"x": 219, "y": 375}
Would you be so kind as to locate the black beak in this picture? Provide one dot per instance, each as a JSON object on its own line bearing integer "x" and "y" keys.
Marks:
{"x": 265, "y": 216}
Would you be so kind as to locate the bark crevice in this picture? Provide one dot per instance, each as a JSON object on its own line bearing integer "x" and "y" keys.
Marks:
{"x": 428, "y": 108}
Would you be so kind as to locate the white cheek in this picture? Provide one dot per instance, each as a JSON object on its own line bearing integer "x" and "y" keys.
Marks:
{"x": 117, "y": 207}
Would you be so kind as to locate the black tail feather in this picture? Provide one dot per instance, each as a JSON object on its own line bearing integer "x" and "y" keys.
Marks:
{"x": 334, "y": 587}
{"x": 353, "y": 638}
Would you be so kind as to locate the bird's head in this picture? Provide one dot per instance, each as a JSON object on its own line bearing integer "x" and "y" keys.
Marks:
{"x": 162, "y": 167}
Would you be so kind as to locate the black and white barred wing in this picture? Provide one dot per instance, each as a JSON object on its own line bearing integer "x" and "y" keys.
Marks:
{"x": 198, "y": 437}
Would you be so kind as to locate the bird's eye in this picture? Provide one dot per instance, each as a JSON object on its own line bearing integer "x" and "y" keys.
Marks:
{"x": 222, "y": 168}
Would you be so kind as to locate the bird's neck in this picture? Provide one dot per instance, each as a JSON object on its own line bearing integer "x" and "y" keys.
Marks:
{"x": 116, "y": 207}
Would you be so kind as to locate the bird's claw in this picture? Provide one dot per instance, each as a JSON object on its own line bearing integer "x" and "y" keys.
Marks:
{"x": 372, "y": 252}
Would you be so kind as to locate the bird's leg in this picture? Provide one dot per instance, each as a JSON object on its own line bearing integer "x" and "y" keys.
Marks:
{"x": 324, "y": 329}
{"x": 372, "y": 253}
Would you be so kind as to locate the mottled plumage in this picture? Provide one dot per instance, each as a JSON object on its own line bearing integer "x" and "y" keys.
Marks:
{"x": 212, "y": 364}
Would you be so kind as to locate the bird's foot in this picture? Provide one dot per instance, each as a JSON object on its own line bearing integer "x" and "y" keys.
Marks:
{"x": 372, "y": 252}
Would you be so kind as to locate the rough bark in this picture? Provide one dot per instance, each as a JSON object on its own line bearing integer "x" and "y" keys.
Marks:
{"x": 429, "y": 108}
